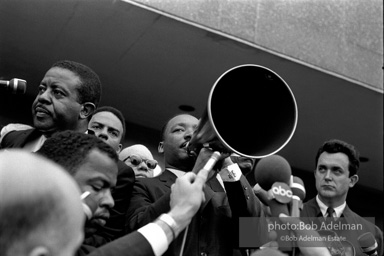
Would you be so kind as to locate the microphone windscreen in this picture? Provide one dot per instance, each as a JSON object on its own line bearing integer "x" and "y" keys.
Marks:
{"x": 15, "y": 85}
{"x": 18, "y": 86}
{"x": 272, "y": 169}
{"x": 367, "y": 243}
{"x": 298, "y": 188}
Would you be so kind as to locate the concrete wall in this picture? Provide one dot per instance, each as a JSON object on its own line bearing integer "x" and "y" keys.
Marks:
{"x": 342, "y": 37}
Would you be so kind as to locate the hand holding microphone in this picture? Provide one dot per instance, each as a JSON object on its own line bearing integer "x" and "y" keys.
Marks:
{"x": 273, "y": 174}
{"x": 261, "y": 194}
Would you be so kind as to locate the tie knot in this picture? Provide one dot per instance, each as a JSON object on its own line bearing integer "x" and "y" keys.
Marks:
{"x": 330, "y": 211}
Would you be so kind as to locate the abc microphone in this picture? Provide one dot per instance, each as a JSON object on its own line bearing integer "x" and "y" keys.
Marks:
{"x": 298, "y": 195}
{"x": 273, "y": 174}
{"x": 89, "y": 204}
{"x": 368, "y": 243}
{"x": 15, "y": 85}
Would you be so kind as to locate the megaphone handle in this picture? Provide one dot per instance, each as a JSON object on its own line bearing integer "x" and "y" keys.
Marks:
{"x": 210, "y": 163}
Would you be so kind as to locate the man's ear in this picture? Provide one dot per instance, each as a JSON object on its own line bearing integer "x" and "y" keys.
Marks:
{"x": 39, "y": 251}
{"x": 160, "y": 148}
{"x": 354, "y": 179}
{"x": 120, "y": 147}
{"x": 87, "y": 110}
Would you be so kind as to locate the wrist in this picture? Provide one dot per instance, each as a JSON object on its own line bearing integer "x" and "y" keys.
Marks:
{"x": 181, "y": 218}
{"x": 231, "y": 173}
{"x": 170, "y": 223}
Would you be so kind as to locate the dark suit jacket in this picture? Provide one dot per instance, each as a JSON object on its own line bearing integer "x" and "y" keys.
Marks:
{"x": 133, "y": 244}
{"x": 114, "y": 227}
{"x": 17, "y": 139}
{"x": 213, "y": 230}
{"x": 312, "y": 209}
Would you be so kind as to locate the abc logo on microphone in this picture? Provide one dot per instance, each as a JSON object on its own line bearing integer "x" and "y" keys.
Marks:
{"x": 281, "y": 192}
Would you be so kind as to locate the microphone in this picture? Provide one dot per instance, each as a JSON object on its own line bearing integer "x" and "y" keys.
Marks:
{"x": 15, "y": 85}
{"x": 273, "y": 174}
{"x": 298, "y": 195}
{"x": 368, "y": 243}
{"x": 271, "y": 169}
{"x": 89, "y": 204}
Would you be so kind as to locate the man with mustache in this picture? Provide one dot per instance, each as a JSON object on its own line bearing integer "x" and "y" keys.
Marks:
{"x": 337, "y": 163}
{"x": 67, "y": 96}
{"x": 214, "y": 229}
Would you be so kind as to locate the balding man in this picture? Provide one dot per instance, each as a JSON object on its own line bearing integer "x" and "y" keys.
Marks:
{"x": 140, "y": 159}
{"x": 40, "y": 210}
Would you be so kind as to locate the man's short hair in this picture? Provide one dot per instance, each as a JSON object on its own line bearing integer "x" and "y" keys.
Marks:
{"x": 24, "y": 219}
{"x": 32, "y": 210}
{"x": 90, "y": 88}
{"x": 338, "y": 146}
{"x": 116, "y": 112}
{"x": 162, "y": 132}
{"x": 70, "y": 149}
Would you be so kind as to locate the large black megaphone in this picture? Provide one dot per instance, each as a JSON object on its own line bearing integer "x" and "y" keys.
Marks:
{"x": 251, "y": 111}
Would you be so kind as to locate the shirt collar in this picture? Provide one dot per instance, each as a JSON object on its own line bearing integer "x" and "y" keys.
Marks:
{"x": 178, "y": 173}
{"x": 323, "y": 208}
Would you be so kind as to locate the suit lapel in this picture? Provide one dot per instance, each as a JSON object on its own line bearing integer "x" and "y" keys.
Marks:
{"x": 212, "y": 188}
{"x": 168, "y": 178}
{"x": 215, "y": 185}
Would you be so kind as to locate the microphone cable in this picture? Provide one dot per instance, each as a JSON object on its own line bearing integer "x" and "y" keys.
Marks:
{"x": 183, "y": 242}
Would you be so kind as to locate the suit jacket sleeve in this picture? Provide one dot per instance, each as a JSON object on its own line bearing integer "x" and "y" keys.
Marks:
{"x": 18, "y": 138}
{"x": 133, "y": 244}
{"x": 244, "y": 203}
{"x": 147, "y": 203}
{"x": 242, "y": 200}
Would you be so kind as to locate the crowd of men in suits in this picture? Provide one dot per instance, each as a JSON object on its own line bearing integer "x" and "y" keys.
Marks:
{"x": 73, "y": 148}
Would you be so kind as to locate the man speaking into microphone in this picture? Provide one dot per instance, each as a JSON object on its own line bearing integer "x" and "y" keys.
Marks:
{"x": 228, "y": 195}
{"x": 337, "y": 163}
{"x": 67, "y": 96}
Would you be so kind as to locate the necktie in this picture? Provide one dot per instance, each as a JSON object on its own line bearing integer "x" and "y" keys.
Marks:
{"x": 330, "y": 212}
{"x": 329, "y": 219}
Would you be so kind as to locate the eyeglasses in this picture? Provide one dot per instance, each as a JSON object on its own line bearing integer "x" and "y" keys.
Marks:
{"x": 136, "y": 160}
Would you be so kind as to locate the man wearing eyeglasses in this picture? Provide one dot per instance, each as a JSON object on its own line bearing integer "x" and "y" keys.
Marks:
{"x": 140, "y": 159}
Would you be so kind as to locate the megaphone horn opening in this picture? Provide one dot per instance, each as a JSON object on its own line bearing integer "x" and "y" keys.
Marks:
{"x": 252, "y": 110}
